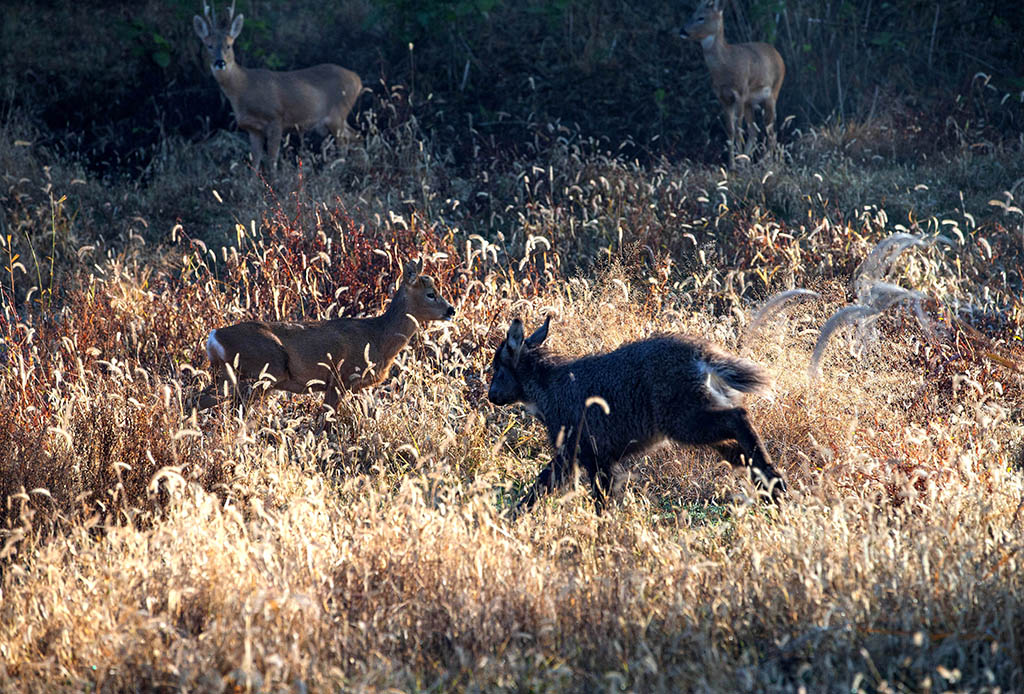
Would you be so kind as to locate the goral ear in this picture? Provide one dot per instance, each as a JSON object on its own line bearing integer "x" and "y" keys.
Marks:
{"x": 540, "y": 334}
{"x": 514, "y": 340}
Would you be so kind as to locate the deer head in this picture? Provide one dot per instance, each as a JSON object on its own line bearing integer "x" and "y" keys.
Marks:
{"x": 421, "y": 299}
{"x": 218, "y": 42}
{"x": 705, "y": 21}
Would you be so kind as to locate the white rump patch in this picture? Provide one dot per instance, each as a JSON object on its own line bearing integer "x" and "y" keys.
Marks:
{"x": 214, "y": 349}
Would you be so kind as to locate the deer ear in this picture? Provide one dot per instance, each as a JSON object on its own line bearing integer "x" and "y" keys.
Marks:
{"x": 410, "y": 271}
{"x": 201, "y": 27}
{"x": 236, "y": 26}
{"x": 540, "y": 334}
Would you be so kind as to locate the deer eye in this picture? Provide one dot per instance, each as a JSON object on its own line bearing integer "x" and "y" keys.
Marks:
{"x": 431, "y": 295}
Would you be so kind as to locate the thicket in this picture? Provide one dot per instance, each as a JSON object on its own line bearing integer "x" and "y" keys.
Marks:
{"x": 109, "y": 81}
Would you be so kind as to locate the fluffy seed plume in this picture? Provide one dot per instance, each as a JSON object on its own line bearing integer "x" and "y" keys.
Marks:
{"x": 773, "y": 306}
{"x": 879, "y": 262}
{"x": 845, "y": 315}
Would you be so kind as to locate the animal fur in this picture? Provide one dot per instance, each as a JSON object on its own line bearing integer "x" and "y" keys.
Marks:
{"x": 667, "y": 387}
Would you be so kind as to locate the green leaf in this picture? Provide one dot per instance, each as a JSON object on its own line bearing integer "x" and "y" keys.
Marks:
{"x": 883, "y": 39}
{"x": 162, "y": 58}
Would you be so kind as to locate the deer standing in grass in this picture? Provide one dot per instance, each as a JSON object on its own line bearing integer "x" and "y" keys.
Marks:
{"x": 343, "y": 354}
{"x": 603, "y": 407}
{"x": 743, "y": 75}
{"x": 266, "y": 102}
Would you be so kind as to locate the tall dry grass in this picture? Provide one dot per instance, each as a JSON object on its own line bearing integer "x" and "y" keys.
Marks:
{"x": 142, "y": 548}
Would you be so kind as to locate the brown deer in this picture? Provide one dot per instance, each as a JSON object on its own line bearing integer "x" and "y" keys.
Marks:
{"x": 743, "y": 75}
{"x": 266, "y": 102}
{"x": 343, "y": 354}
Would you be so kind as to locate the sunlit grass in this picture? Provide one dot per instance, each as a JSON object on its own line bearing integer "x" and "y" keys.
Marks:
{"x": 144, "y": 548}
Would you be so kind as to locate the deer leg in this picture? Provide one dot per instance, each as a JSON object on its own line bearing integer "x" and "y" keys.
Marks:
{"x": 331, "y": 397}
{"x": 769, "y": 123}
{"x": 274, "y": 131}
{"x": 336, "y": 130}
{"x": 730, "y": 129}
{"x": 252, "y": 396}
{"x": 214, "y": 394}
{"x": 340, "y": 132}
{"x": 207, "y": 397}
{"x": 751, "y": 137}
{"x": 257, "y": 377}
{"x": 734, "y": 454}
{"x": 256, "y": 144}
{"x": 325, "y": 143}
{"x": 210, "y": 395}
{"x": 738, "y": 427}
{"x": 236, "y": 392}
{"x": 332, "y": 394}
{"x": 717, "y": 428}
{"x": 224, "y": 384}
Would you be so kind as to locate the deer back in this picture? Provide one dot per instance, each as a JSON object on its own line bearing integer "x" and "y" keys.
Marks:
{"x": 313, "y": 97}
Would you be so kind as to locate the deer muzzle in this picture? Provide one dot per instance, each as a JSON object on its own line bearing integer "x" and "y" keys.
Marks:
{"x": 692, "y": 31}
{"x": 219, "y": 64}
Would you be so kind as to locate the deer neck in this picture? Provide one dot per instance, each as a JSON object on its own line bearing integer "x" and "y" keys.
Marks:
{"x": 396, "y": 326}
{"x": 233, "y": 80}
{"x": 715, "y": 47}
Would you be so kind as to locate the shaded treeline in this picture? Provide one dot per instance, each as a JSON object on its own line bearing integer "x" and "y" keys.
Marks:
{"x": 108, "y": 81}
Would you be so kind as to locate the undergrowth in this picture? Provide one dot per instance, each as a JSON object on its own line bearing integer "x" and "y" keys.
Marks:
{"x": 143, "y": 547}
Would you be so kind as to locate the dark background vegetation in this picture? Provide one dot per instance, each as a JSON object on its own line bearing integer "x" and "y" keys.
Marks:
{"x": 109, "y": 81}
{"x": 558, "y": 159}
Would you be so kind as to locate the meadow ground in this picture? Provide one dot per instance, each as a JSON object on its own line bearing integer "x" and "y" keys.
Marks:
{"x": 144, "y": 548}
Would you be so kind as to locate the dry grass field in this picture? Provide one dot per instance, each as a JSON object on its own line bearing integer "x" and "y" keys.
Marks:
{"x": 147, "y": 548}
